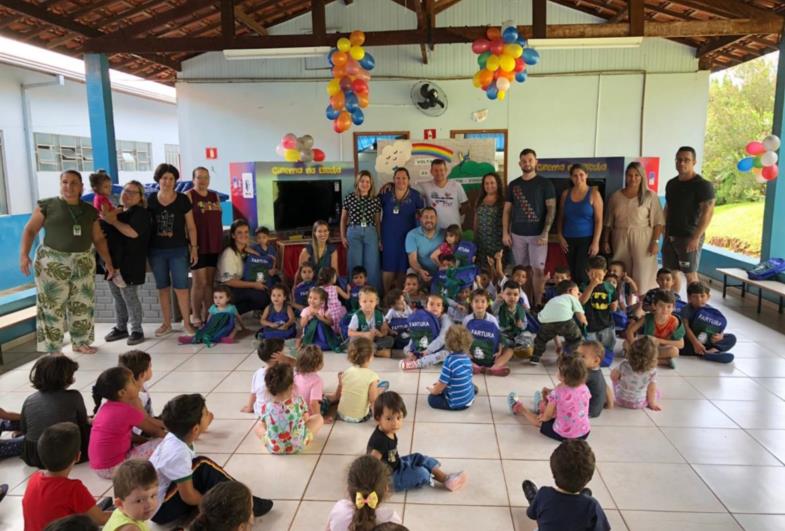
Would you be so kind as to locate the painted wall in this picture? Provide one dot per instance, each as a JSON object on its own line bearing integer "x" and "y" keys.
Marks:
{"x": 63, "y": 110}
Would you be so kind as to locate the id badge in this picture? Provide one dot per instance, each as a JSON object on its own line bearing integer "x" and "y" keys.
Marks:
{"x": 77, "y": 230}
{"x": 396, "y": 210}
{"x": 363, "y": 224}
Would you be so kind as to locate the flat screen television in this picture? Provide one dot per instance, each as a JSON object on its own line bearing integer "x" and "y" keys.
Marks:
{"x": 297, "y": 204}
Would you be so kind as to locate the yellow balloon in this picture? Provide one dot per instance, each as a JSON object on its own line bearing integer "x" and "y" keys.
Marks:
{"x": 507, "y": 63}
{"x": 333, "y": 87}
{"x": 291, "y": 155}
{"x": 357, "y": 52}
{"x": 514, "y": 50}
{"x": 344, "y": 44}
{"x": 493, "y": 63}
{"x": 476, "y": 80}
{"x": 501, "y": 95}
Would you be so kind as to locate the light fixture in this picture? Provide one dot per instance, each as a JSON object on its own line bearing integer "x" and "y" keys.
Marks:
{"x": 586, "y": 43}
{"x": 276, "y": 53}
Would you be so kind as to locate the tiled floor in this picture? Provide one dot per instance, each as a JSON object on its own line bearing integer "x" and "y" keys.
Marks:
{"x": 712, "y": 459}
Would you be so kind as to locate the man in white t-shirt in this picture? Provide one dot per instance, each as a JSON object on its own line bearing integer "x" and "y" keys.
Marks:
{"x": 447, "y": 197}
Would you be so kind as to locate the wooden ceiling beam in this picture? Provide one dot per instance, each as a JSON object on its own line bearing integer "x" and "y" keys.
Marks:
{"x": 441, "y": 5}
{"x": 249, "y": 22}
{"x": 727, "y": 8}
{"x": 92, "y": 7}
{"x": 635, "y": 10}
{"x": 539, "y": 19}
{"x": 52, "y": 19}
{"x": 227, "y": 19}
{"x": 157, "y": 20}
{"x": 715, "y": 45}
{"x": 318, "y": 18}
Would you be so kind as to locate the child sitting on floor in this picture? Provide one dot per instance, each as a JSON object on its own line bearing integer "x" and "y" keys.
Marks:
{"x": 328, "y": 281}
{"x": 560, "y": 274}
{"x": 226, "y": 507}
{"x": 601, "y": 393}
{"x": 455, "y": 390}
{"x": 368, "y": 322}
{"x": 635, "y": 379}
{"x": 285, "y": 424}
{"x": 50, "y": 494}
{"x": 409, "y": 471}
{"x": 271, "y": 352}
{"x": 569, "y": 506}
{"x": 627, "y": 288}
{"x": 111, "y": 438}
{"x": 359, "y": 279}
{"x": 705, "y": 326}
{"x": 223, "y": 321}
{"x": 513, "y": 321}
{"x": 278, "y": 319}
{"x": 135, "y": 486}
{"x": 184, "y": 477}
{"x": 75, "y": 522}
{"x": 359, "y": 386}
{"x": 317, "y": 323}
{"x": 663, "y": 327}
{"x": 427, "y": 329}
{"x": 488, "y": 353}
{"x": 141, "y": 366}
{"x": 664, "y": 282}
{"x": 558, "y": 317}
{"x": 307, "y": 381}
{"x": 413, "y": 292}
{"x": 397, "y": 318}
{"x": 565, "y": 414}
{"x": 301, "y": 290}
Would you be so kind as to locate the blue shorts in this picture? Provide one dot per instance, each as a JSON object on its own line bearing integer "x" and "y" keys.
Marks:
{"x": 414, "y": 471}
{"x": 170, "y": 262}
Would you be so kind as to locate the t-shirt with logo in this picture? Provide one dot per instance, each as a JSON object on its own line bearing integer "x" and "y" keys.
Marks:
{"x": 598, "y": 307}
{"x": 528, "y": 198}
{"x": 447, "y": 201}
{"x": 386, "y": 446}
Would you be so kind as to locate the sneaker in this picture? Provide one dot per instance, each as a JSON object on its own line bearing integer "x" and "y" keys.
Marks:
{"x": 672, "y": 363}
{"x": 261, "y": 506}
{"x": 512, "y": 401}
{"x": 719, "y": 357}
{"x": 135, "y": 338}
{"x": 534, "y": 361}
{"x": 586, "y": 491}
{"x": 118, "y": 281}
{"x": 537, "y": 400}
{"x": 498, "y": 371}
{"x": 106, "y": 504}
{"x": 455, "y": 481}
{"x": 529, "y": 490}
{"x": 409, "y": 365}
{"x": 115, "y": 334}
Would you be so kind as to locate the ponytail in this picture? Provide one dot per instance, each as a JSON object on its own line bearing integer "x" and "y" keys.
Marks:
{"x": 109, "y": 384}
{"x": 368, "y": 482}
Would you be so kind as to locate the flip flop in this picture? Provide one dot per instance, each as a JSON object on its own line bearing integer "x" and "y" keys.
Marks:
{"x": 163, "y": 330}
{"x": 85, "y": 349}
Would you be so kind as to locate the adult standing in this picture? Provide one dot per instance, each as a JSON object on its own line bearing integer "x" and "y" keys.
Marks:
{"x": 64, "y": 267}
{"x": 488, "y": 218}
{"x": 580, "y": 222}
{"x": 633, "y": 226}
{"x": 129, "y": 233}
{"x": 447, "y": 197}
{"x": 170, "y": 250}
{"x": 421, "y": 242}
{"x": 689, "y": 207}
{"x": 320, "y": 252}
{"x": 209, "y": 239}
{"x": 360, "y": 227}
{"x": 529, "y": 212}
{"x": 400, "y": 206}
{"x": 246, "y": 295}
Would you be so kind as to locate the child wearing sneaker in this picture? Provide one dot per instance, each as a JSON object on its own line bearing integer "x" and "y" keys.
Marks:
{"x": 635, "y": 379}
{"x": 427, "y": 328}
{"x": 397, "y": 318}
{"x": 488, "y": 353}
{"x": 454, "y": 390}
{"x": 557, "y": 318}
{"x": 600, "y": 299}
{"x": 570, "y": 505}
{"x": 565, "y": 414}
{"x": 368, "y": 322}
{"x": 408, "y": 471}
{"x": 704, "y": 326}
{"x": 663, "y": 327}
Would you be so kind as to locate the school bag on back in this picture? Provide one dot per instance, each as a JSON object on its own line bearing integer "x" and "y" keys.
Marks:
{"x": 465, "y": 253}
{"x": 706, "y": 322}
{"x": 768, "y": 269}
{"x": 424, "y": 327}
{"x": 486, "y": 341}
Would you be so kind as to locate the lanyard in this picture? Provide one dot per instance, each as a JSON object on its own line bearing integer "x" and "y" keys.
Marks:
{"x": 71, "y": 212}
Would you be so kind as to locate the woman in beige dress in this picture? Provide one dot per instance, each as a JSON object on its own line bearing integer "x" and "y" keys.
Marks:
{"x": 633, "y": 225}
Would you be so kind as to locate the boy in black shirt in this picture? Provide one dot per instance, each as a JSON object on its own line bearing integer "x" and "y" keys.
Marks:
{"x": 569, "y": 506}
{"x": 600, "y": 299}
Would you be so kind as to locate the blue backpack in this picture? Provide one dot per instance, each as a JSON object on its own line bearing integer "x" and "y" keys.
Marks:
{"x": 424, "y": 327}
{"x": 706, "y": 322}
{"x": 258, "y": 265}
{"x": 486, "y": 341}
{"x": 301, "y": 292}
{"x": 465, "y": 253}
{"x": 768, "y": 269}
{"x": 448, "y": 282}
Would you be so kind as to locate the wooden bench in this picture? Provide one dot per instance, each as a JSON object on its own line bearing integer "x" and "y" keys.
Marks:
{"x": 10, "y": 319}
{"x": 773, "y": 286}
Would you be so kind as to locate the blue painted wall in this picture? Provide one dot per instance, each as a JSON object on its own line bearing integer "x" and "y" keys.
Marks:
{"x": 10, "y": 236}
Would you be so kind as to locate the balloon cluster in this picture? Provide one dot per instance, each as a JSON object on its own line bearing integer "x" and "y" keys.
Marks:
{"x": 348, "y": 89}
{"x": 763, "y": 162}
{"x": 295, "y": 148}
{"x": 503, "y": 58}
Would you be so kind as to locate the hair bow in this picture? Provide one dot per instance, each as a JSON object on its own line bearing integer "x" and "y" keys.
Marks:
{"x": 371, "y": 501}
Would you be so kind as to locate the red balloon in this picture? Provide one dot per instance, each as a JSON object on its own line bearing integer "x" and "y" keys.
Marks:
{"x": 346, "y": 84}
{"x": 480, "y": 46}
{"x": 318, "y": 155}
{"x": 770, "y": 172}
{"x": 520, "y": 66}
{"x": 497, "y": 47}
{"x": 360, "y": 86}
{"x": 755, "y": 148}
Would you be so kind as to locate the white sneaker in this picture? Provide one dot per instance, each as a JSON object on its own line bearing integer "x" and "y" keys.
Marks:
{"x": 118, "y": 280}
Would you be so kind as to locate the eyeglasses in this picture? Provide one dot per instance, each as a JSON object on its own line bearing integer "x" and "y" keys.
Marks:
{"x": 132, "y": 192}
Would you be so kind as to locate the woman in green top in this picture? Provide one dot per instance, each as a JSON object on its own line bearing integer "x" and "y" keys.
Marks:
{"x": 65, "y": 266}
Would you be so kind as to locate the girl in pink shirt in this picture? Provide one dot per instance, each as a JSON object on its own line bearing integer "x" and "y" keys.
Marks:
{"x": 566, "y": 415}
{"x": 111, "y": 436}
{"x": 328, "y": 281}
{"x": 307, "y": 381}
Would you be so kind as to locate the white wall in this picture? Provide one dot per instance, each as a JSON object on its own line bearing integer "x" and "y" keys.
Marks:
{"x": 63, "y": 110}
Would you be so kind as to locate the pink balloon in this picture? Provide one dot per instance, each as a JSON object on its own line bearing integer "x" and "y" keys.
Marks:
{"x": 755, "y": 148}
{"x": 289, "y": 141}
{"x": 770, "y": 172}
{"x": 497, "y": 47}
{"x": 352, "y": 67}
{"x": 481, "y": 45}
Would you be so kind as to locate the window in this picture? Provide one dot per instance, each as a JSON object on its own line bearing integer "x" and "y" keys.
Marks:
{"x": 172, "y": 154}
{"x": 3, "y": 197}
{"x": 499, "y": 135}
{"x": 67, "y": 152}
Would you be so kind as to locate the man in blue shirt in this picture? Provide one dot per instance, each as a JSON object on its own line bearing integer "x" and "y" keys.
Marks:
{"x": 421, "y": 242}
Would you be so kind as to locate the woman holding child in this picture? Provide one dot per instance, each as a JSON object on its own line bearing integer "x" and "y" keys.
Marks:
{"x": 633, "y": 224}
{"x": 247, "y": 295}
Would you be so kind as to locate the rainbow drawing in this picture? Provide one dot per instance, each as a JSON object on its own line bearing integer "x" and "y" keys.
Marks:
{"x": 423, "y": 149}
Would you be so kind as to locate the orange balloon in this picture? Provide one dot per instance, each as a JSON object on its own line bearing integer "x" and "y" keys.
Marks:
{"x": 492, "y": 33}
{"x": 344, "y": 120}
{"x": 339, "y": 71}
{"x": 506, "y": 75}
{"x": 340, "y": 58}
{"x": 357, "y": 38}
{"x": 338, "y": 101}
{"x": 362, "y": 100}
{"x": 485, "y": 77}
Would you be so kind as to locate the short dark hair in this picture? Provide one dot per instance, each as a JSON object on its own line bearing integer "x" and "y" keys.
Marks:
{"x": 182, "y": 413}
{"x": 446, "y": 257}
{"x": 390, "y": 526}
{"x": 511, "y": 284}
{"x": 163, "y": 168}
{"x": 279, "y": 378}
{"x": 618, "y": 263}
{"x": 429, "y": 209}
{"x": 438, "y": 162}
{"x": 572, "y": 370}
{"x": 359, "y": 270}
{"x": 688, "y": 149}
{"x": 75, "y": 522}
{"x": 261, "y": 230}
{"x": 225, "y": 506}
{"x": 564, "y": 286}
{"x": 98, "y": 178}
{"x": 133, "y": 474}
{"x": 311, "y": 358}
{"x": 281, "y": 287}
{"x": 562, "y": 270}
{"x": 223, "y": 288}
{"x": 454, "y": 230}
{"x": 53, "y": 373}
{"x": 415, "y": 276}
{"x": 268, "y": 347}
{"x": 198, "y": 168}
{"x": 390, "y": 400}
{"x": 520, "y": 267}
{"x": 572, "y": 465}
{"x": 392, "y": 297}
{"x": 527, "y": 151}
{"x": 697, "y": 288}
{"x": 664, "y": 271}
{"x": 597, "y": 262}
{"x": 136, "y": 361}
{"x": 665, "y": 296}
{"x": 59, "y": 446}
{"x": 480, "y": 293}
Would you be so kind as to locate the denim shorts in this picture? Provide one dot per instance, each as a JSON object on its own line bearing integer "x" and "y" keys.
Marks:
{"x": 166, "y": 262}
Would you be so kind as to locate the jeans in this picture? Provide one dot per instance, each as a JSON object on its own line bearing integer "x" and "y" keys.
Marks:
{"x": 567, "y": 329}
{"x": 440, "y": 402}
{"x": 126, "y": 307}
{"x": 170, "y": 262}
{"x": 414, "y": 471}
{"x": 364, "y": 251}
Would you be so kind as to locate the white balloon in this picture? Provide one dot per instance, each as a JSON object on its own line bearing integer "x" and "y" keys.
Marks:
{"x": 508, "y": 24}
{"x": 503, "y": 83}
{"x": 769, "y": 158}
{"x": 279, "y": 150}
{"x": 760, "y": 180}
{"x": 771, "y": 143}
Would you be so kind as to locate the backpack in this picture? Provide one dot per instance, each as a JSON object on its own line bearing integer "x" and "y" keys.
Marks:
{"x": 768, "y": 269}
{"x": 423, "y": 328}
{"x": 448, "y": 282}
{"x": 465, "y": 252}
{"x": 706, "y": 322}
{"x": 258, "y": 265}
{"x": 486, "y": 341}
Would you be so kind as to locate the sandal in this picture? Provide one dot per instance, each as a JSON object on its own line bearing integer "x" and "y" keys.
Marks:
{"x": 85, "y": 349}
{"x": 163, "y": 330}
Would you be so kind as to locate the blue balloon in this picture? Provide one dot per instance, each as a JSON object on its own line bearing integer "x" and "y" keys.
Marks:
{"x": 522, "y": 41}
{"x": 520, "y": 77}
{"x": 331, "y": 113}
{"x": 330, "y": 56}
{"x": 510, "y": 35}
{"x": 352, "y": 103}
{"x": 368, "y": 62}
{"x": 358, "y": 117}
{"x": 492, "y": 91}
{"x": 531, "y": 56}
{"x": 746, "y": 164}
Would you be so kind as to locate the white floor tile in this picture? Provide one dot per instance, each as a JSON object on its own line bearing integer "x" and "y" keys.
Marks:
{"x": 745, "y": 489}
{"x": 657, "y": 521}
{"x": 719, "y": 446}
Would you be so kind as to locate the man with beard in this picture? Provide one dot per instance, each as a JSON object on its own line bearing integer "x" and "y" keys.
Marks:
{"x": 421, "y": 242}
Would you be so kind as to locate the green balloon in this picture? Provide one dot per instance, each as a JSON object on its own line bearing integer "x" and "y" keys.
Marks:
{"x": 482, "y": 59}
{"x": 757, "y": 162}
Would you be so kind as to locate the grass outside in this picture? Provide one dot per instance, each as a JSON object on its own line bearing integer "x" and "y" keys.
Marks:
{"x": 737, "y": 227}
